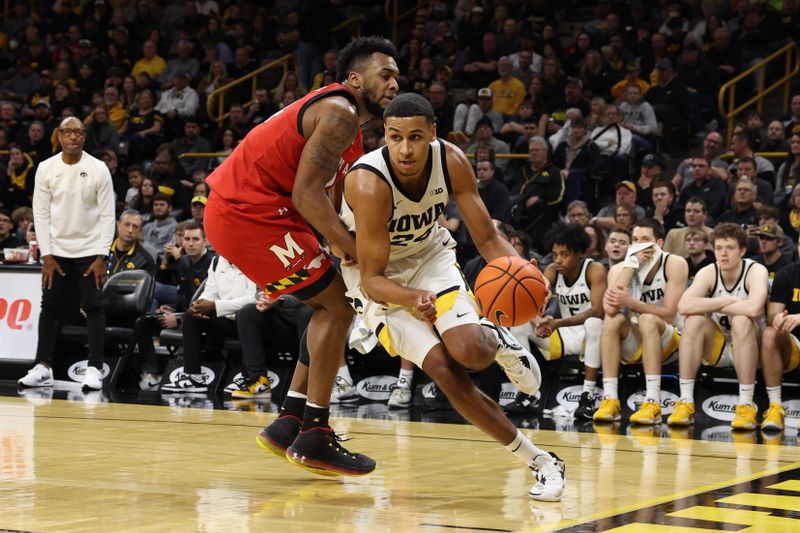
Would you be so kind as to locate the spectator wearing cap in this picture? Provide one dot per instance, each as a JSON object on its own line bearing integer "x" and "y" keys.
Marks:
{"x": 466, "y": 117}
{"x": 770, "y": 238}
{"x": 484, "y": 137}
{"x": 639, "y": 117}
{"x": 624, "y": 194}
{"x": 553, "y": 118}
{"x": 43, "y": 112}
{"x": 649, "y": 173}
{"x": 100, "y": 132}
{"x": 507, "y": 91}
{"x": 670, "y": 101}
{"x": 198, "y": 208}
{"x": 183, "y": 63}
{"x": 45, "y": 90}
{"x": 191, "y": 141}
{"x": 150, "y": 62}
{"x": 632, "y": 77}
{"x": 471, "y": 28}
{"x": 481, "y": 66}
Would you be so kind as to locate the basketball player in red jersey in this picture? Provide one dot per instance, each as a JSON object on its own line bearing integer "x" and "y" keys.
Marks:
{"x": 267, "y": 196}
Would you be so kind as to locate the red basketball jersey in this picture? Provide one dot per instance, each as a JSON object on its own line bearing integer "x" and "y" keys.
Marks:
{"x": 261, "y": 169}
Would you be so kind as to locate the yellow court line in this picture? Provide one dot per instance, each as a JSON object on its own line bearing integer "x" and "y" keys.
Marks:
{"x": 657, "y": 501}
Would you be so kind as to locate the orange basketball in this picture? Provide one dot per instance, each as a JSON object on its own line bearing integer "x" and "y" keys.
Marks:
{"x": 510, "y": 291}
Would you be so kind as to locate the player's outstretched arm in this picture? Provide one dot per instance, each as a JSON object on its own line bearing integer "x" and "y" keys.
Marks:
{"x": 597, "y": 280}
{"x": 695, "y": 300}
{"x": 465, "y": 192}
{"x": 371, "y": 201}
{"x": 335, "y": 126}
{"x": 757, "y": 284}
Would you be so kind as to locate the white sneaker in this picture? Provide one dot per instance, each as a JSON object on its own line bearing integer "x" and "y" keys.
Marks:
{"x": 343, "y": 391}
{"x": 238, "y": 383}
{"x": 92, "y": 379}
{"x": 149, "y": 381}
{"x": 517, "y": 362}
{"x": 550, "y": 480}
{"x": 38, "y": 376}
{"x": 401, "y": 397}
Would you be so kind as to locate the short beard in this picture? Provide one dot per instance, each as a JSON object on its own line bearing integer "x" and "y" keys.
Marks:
{"x": 373, "y": 108}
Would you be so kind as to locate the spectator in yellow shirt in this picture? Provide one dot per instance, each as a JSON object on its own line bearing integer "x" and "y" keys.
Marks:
{"x": 631, "y": 78}
{"x": 507, "y": 92}
{"x": 151, "y": 63}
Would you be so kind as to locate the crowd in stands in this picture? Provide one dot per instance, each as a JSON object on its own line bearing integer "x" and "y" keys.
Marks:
{"x": 592, "y": 116}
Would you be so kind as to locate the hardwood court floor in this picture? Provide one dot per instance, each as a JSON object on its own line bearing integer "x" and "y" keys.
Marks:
{"x": 79, "y": 466}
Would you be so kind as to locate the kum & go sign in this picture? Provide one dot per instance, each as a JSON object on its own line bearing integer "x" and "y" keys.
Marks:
{"x": 20, "y": 297}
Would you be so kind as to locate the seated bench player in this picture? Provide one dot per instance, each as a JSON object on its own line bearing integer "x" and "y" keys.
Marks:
{"x": 579, "y": 284}
{"x": 724, "y": 318}
{"x": 644, "y": 328}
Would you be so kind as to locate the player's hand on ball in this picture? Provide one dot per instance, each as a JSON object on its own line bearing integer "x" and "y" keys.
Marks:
{"x": 424, "y": 306}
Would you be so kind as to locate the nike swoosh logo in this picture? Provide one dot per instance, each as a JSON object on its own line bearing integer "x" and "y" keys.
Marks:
{"x": 459, "y": 315}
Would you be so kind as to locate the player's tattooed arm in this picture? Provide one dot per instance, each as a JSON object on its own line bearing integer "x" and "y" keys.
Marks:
{"x": 335, "y": 128}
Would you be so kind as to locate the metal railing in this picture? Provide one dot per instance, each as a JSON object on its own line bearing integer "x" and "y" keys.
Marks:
{"x": 726, "y": 99}
{"x": 215, "y": 104}
{"x": 355, "y": 22}
{"x": 395, "y": 15}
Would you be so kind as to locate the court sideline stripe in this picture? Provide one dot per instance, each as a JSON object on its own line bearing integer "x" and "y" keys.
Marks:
{"x": 373, "y": 434}
{"x": 466, "y": 528}
{"x": 658, "y": 501}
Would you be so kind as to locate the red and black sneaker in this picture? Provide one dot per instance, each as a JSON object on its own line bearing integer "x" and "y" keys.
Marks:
{"x": 318, "y": 451}
{"x": 279, "y": 435}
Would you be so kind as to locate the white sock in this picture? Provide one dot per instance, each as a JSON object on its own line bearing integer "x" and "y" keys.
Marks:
{"x": 774, "y": 394}
{"x": 687, "y": 390}
{"x": 746, "y": 393}
{"x": 344, "y": 373}
{"x": 405, "y": 377}
{"x": 653, "y": 385}
{"x": 312, "y": 404}
{"x": 295, "y": 394}
{"x": 588, "y": 386}
{"x": 611, "y": 388}
{"x": 524, "y": 449}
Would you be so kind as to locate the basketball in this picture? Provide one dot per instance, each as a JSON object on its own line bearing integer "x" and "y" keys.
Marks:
{"x": 510, "y": 291}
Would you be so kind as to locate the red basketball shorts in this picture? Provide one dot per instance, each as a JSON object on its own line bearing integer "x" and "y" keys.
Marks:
{"x": 272, "y": 245}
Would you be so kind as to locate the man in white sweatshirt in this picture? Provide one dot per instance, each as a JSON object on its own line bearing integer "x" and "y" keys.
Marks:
{"x": 73, "y": 209}
{"x": 639, "y": 117}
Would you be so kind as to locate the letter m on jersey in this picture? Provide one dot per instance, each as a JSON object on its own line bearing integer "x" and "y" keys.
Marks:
{"x": 289, "y": 253}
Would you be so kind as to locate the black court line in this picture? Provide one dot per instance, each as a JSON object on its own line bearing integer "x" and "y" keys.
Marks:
{"x": 465, "y": 528}
{"x": 375, "y": 434}
{"x": 18, "y": 531}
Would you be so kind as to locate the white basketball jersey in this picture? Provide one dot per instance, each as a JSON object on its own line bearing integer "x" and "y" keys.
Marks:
{"x": 575, "y": 298}
{"x": 653, "y": 292}
{"x": 413, "y": 224}
{"x": 738, "y": 290}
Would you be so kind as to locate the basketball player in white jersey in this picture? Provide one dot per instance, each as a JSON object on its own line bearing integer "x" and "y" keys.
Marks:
{"x": 642, "y": 328}
{"x": 733, "y": 291}
{"x": 579, "y": 287}
{"x": 408, "y": 288}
